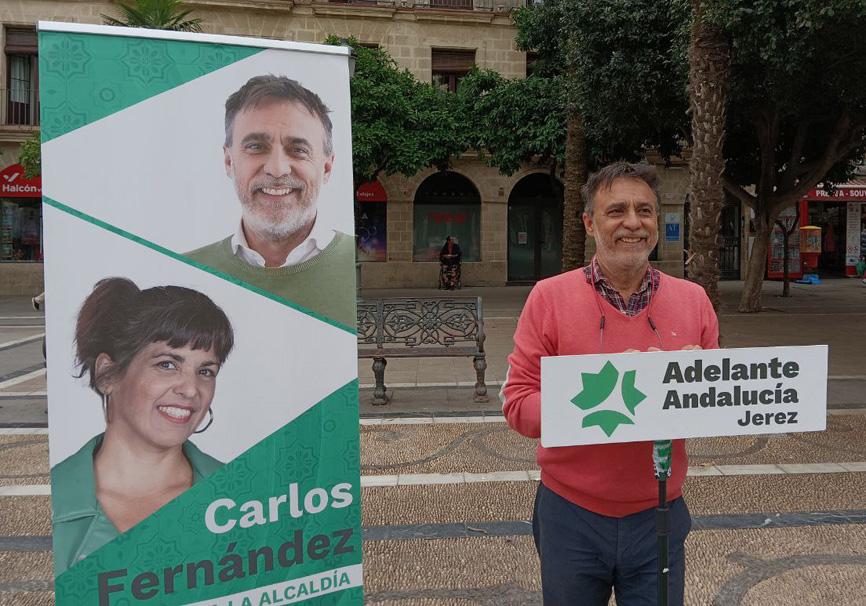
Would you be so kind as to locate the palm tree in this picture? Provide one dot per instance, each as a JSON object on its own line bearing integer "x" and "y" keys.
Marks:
{"x": 709, "y": 65}
{"x": 155, "y": 14}
{"x": 573, "y": 231}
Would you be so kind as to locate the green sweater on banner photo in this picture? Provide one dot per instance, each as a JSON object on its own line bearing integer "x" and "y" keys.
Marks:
{"x": 79, "y": 524}
{"x": 323, "y": 284}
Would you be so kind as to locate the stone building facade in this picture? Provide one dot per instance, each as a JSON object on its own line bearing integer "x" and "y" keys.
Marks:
{"x": 503, "y": 237}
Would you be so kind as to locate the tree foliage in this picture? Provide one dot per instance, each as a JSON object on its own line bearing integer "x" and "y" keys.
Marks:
{"x": 798, "y": 94}
{"x": 624, "y": 67}
{"x": 513, "y": 121}
{"x": 154, "y": 14}
{"x": 612, "y": 72}
{"x": 399, "y": 125}
{"x": 797, "y": 110}
{"x": 30, "y": 156}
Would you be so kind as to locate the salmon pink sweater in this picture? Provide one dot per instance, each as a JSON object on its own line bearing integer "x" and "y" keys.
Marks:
{"x": 562, "y": 317}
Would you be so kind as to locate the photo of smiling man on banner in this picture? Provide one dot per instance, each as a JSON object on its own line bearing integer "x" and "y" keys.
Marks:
{"x": 279, "y": 152}
{"x": 202, "y": 383}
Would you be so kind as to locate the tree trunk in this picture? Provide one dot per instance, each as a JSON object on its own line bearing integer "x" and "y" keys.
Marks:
{"x": 573, "y": 231}
{"x": 788, "y": 231}
{"x": 750, "y": 299}
{"x": 709, "y": 62}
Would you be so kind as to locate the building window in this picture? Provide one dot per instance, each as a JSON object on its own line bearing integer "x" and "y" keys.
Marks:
{"x": 449, "y": 66}
{"x": 22, "y": 77}
{"x": 447, "y": 204}
{"x": 20, "y": 229}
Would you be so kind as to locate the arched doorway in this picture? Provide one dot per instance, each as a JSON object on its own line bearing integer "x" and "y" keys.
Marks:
{"x": 446, "y": 204}
{"x": 535, "y": 228}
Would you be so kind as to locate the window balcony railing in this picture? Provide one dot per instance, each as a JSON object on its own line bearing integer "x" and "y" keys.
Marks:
{"x": 452, "y": 4}
{"x": 500, "y": 6}
{"x": 19, "y": 106}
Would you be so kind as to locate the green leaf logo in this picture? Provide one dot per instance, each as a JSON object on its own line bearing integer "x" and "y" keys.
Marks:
{"x": 597, "y": 388}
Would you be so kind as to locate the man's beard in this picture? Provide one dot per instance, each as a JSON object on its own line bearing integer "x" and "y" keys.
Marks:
{"x": 284, "y": 219}
{"x": 624, "y": 258}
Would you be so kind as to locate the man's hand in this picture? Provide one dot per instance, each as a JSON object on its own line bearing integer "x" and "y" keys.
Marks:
{"x": 691, "y": 347}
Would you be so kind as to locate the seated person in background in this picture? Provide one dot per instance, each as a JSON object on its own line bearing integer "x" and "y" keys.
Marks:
{"x": 449, "y": 258}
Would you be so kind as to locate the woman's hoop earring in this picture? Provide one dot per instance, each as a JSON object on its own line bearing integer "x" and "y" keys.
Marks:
{"x": 210, "y": 420}
{"x": 105, "y": 397}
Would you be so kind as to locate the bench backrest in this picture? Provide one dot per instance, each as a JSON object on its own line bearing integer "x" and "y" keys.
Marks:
{"x": 415, "y": 322}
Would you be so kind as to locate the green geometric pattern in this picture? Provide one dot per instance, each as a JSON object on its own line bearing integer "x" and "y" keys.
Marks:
{"x": 318, "y": 449}
{"x": 597, "y": 387}
{"x": 86, "y": 77}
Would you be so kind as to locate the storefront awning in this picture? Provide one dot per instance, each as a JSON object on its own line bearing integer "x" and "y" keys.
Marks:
{"x": 853, "y": 191}
{"x": 13, "y": 183}
{"x": 371, "y": 191}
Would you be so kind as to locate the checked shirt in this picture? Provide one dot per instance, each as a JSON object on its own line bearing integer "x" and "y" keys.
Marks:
{"x": 637, "y": 302}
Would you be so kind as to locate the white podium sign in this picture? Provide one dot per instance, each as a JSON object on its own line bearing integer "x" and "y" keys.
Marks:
{"x": 602, "y": 399}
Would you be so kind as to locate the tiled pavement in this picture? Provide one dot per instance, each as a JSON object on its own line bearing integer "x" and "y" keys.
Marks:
{"x": 778, "y": 519}
{"x": 458, "y": 532}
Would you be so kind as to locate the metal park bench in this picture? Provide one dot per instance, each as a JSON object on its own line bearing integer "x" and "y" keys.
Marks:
{"x": 421, "y": 328}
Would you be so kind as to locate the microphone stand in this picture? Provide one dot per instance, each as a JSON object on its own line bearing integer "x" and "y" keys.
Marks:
{"x": 662, "y": 466}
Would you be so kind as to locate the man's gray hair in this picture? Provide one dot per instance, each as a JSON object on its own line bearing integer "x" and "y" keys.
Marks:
{"x": 604, "y": 178}
{"x": 263, "y": 89}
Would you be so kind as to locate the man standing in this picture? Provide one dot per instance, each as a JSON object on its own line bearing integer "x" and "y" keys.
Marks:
{"x": 279, "y": 152}
{"x": 594, "y": 517}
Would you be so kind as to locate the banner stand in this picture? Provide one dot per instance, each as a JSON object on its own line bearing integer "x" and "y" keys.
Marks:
{"x": 160, "y": 328}
{"x": 661, "y": 396}
{"x": 662, "y": 466}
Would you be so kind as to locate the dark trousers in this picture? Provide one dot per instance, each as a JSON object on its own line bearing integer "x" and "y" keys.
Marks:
{"x": 584, "y": 555}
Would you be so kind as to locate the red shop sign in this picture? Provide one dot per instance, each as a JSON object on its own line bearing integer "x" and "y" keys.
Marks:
{"x": 13, "y": 183}
{"x": 371, "y": 191}
{"x": 840, "y": 194}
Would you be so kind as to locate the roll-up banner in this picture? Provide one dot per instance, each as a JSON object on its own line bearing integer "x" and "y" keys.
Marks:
{"x": 199, "y": 263}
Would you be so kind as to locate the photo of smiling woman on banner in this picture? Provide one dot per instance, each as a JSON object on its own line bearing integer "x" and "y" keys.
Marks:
{"x": 152, "y": 356}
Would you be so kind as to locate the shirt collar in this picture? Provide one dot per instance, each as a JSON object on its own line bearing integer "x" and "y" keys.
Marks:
{"x": 75, "y": 490}
{"x": 318, "y": 239}
{"x": 596, "y": 277}
{"x": 74, "y": 497}
{"x": 78, "y": 498}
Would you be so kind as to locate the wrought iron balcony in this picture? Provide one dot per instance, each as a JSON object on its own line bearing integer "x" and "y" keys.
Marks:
{"x": 19, "y": 106}
{"x": 501, "y": 6}
{"x": 452, "y": 4}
